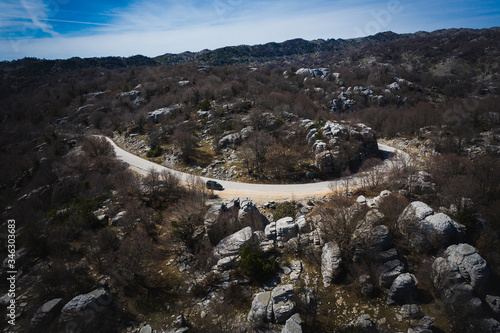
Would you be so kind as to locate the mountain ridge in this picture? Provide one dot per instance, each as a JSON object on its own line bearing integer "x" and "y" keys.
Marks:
{"x": 258, "y": 54}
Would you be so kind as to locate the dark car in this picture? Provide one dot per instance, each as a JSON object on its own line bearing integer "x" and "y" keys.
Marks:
{"x": 213, "y": 185}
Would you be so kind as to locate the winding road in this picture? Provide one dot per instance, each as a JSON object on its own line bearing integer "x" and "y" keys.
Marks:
{"x": 259, "y": 193}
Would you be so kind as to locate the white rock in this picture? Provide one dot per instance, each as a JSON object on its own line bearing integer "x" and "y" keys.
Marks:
{"x": 330, "y": 262}
{"x": 231, "y": 245}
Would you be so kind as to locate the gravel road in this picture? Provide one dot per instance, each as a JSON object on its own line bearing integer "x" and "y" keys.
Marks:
{"x": 259, "y": 193}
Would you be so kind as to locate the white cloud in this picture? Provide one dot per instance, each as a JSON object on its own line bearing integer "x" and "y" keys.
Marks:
{"x": 38, "y": 11}
{"x": 171, "y": 26}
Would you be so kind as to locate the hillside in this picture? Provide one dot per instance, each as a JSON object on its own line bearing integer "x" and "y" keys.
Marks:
{"x": 414, "y": 247}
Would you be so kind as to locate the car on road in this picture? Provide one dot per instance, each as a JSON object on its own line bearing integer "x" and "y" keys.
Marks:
{"x": 213, "y": 185}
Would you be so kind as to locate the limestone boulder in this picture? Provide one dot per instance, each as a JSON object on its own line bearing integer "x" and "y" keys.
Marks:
{"x": 283, "y": 306}
{"x": 45, "y": 315}
{"x": 258, "y": 311}
{"x": 76, "y": 313}
{"x": 293, "y": 324}
{"x": 330, "y": 263}
{"x": 427, "y": 230}
{"x": 404, "y": 290}
{"x": 232, "y": 244}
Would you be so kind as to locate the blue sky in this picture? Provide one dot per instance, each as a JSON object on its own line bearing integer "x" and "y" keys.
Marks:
{"x": 60, "y": 29}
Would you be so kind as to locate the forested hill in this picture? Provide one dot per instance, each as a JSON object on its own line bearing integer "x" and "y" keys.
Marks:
{"x": 466, "y": 42}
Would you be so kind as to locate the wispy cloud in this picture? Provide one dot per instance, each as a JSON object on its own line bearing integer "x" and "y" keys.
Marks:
{"x": 155, "y": 27}
{"x": 38, "y": 11}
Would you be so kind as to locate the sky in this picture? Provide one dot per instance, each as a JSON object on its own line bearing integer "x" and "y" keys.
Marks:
{"x": 61, "y": 29}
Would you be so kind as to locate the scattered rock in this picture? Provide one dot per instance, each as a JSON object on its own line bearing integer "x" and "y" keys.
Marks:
{"x": 274, "y": 306}
{"x": 361, "y": 200}
{"x": 493, "y": 302}
{"x": 296, "y": 267}
{"x": 118, "y": 217}
{"x": 364, "y": 325}
{"x": 411, "y": 311}
{"x": 367, "y": 287}
{"x": 426, "y": 325}
{"x": 379, "y": 238}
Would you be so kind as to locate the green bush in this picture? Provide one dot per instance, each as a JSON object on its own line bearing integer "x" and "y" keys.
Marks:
{"x": 154, "y": 152}
{"x": 278, "y": 122}
{"x": 254, "y": 264}
{"x": 204, "y": 105}
{"x": 284, "y": 209}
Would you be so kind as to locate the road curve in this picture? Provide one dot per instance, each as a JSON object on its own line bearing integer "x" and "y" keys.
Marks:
{"x": 258, "y": 193}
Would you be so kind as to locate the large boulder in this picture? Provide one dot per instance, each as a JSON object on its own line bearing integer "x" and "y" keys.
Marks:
{"x": 258, "y": 311}
{"x": 230, "y": 140}
{"x": 389, "y": 271}
{"x": 275, "y": 306}
{"x": 247, "y": 208}
{"x": 379, "y": 238}
{"x": 45, "y": 315}
{"x": 404, "y": 290}
{"x": 426, "y": 230}
{"x": 460, "y": 264}
{"x": 324, "y": 162}
{"x": 232, "y": 244}
{"x": 283, "y": 306}
{"x": 330, "y": 263}
{"x": 87, "y": 312}
{"x": 293, "y": 324}
{"x": 284, "y": 229}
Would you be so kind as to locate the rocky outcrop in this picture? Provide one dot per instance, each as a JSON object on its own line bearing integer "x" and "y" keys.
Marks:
{"x": 225, "y": 218}
{"x": 330, "y": 263}
{"x": 460, "y": 264}
{"x": 76, "y": 313}
{"x": 426, "y": 230}
{"x": 258, "y": 311}
{"x": 314, "y": 72}
{"x": 247, "y": 207}
{"x": 404, "y": 290}
{"x": 232, "y": 244}
{"x": 161, "y": 113}
{"x": 45, "y": 315}
{"x": 379, "y": 239}
{"x": 337, "y": 146}
{"x": 283, "y": 306}
{"x": 281, "y": 230}
{"x": 230, "y": 140}
{"x": 389, "y": 271}
{"x": 293, "y": 324}
{"x": 275, "y": 306}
